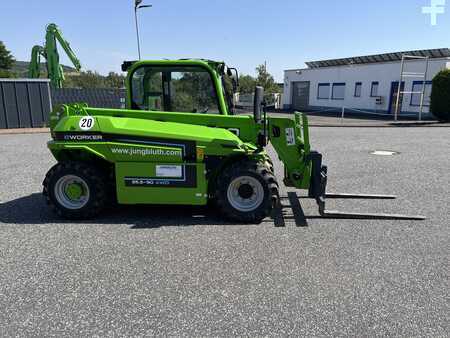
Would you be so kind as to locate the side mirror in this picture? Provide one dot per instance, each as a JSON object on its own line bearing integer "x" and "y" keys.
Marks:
{"x": 233, "y": 75}
{"x": 258, "y": 103}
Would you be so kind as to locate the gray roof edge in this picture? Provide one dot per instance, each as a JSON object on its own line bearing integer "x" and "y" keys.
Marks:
{"x": 431, "y": 53}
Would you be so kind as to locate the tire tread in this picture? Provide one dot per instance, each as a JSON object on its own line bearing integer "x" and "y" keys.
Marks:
{"x": 258, "y": 168}
{"x": 94, "y": 207}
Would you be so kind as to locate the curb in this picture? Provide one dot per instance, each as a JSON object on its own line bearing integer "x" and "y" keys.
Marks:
{"x": 24, "y": 131}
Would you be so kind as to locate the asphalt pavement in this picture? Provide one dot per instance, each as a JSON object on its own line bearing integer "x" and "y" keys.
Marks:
{"x": 182, "y": 271}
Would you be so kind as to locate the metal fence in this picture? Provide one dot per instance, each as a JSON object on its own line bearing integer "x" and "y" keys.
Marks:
{"x": 24, "y": 103}
{"x": 94, "y": 97}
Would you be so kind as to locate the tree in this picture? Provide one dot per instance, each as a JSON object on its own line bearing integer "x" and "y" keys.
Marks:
{"x": 440, "y": 96}
{"x": 263, "y": 78}
{"x": 6, "y": 61}
{"x": 91, "y": 79}
{"x": 114, "y": 80}
{"x": 6, "y": 74}
{"x": 266, "y": 80}
{"x": 247, "y": 84}
{"x": 87, "y": 79}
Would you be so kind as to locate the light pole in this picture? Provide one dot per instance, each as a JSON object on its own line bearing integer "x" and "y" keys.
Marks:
{"x": 137, "y": 5}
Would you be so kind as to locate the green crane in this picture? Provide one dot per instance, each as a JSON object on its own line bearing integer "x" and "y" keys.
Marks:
{"x": 50, "y": 52}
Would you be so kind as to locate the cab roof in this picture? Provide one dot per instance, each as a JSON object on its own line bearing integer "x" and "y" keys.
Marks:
{"x": 215, "y": 64}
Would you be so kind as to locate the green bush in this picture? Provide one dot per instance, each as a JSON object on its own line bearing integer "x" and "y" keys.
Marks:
{"x": 6, "y": 74}
{"x": 440, "y": 96}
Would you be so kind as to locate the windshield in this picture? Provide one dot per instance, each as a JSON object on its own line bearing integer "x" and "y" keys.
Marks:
{"x": 174, "y": 89}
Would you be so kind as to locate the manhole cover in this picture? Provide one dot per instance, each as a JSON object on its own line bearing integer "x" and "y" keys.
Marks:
{"x": 384, "y": 153}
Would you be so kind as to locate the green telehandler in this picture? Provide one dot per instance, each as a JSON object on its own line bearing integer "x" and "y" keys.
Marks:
{"x": 178, "y": 142}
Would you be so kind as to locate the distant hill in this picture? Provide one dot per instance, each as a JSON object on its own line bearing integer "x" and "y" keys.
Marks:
{"x": 21, "y": 68}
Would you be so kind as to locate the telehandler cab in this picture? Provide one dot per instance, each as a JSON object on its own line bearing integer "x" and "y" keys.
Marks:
{"x": 178, "y": 142}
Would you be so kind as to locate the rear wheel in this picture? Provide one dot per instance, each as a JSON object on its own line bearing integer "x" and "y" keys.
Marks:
{"x": 247, "y": 191}
{"x": 75, "y": 190}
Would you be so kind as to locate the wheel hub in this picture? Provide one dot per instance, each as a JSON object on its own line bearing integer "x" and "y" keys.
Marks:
{"x": 245, "y": 191}
{"x": 74, "y": 191}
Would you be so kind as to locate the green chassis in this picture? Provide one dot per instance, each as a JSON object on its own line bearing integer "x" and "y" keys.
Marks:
{"x": 141, "y": 144}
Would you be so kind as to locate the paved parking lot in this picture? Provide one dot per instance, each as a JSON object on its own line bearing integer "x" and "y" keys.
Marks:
{"x": 183, "y": 271}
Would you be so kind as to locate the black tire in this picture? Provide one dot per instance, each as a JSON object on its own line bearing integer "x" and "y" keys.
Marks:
{"x": 95, "y": 180}
{"x": 259, "y": 171}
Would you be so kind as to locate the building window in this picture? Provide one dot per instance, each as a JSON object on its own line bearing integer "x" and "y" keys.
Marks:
{"x": 338, "y": 92}
{"x": 374, "y": 89}
{"x": 416, "y": 96}
{"x": 358, "y": 89}
{"x": 323, "y": 91}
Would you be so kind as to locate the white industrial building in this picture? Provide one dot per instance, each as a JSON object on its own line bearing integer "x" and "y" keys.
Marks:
{"x": 366, "y": 83}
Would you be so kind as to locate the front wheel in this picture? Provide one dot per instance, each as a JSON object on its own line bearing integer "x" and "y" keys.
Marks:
{"x": 247, "y": 191}
{"x": 75, "y": 190}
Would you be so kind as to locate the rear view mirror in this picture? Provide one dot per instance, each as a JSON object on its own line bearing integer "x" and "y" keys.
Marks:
{"x": 258, "y": 103}
{"x": 233, "y": 75}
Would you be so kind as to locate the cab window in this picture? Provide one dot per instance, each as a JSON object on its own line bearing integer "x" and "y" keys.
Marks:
{"x": 174, "y": 89}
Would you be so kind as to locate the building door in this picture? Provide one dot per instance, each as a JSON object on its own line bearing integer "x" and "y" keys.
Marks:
{"x": 300, "y": 95}
{"x": 393, "y": 97}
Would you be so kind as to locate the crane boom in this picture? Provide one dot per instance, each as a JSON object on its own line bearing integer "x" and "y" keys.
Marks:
{"x": 53, "y": 34}
{"x": 34, "y": 70}
{"x": 50, "y": 53}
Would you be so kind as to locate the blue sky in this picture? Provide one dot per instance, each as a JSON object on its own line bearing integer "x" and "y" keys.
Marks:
{"x": 242, "y": 33}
